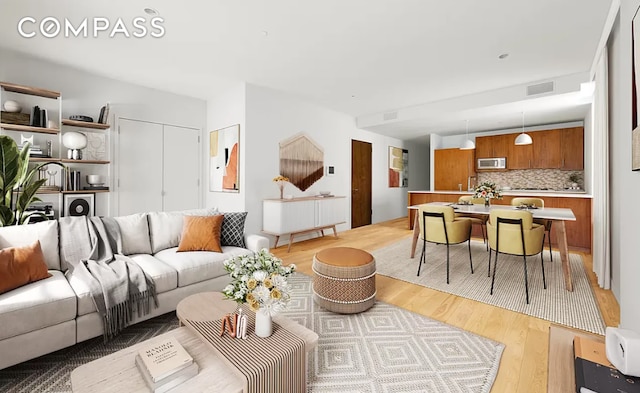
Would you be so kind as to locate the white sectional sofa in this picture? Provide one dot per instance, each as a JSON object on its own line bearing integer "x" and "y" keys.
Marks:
{"x": 54, "y": 313}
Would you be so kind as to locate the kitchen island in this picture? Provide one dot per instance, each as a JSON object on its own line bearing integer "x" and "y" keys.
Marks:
{"x": 578, "y": 232}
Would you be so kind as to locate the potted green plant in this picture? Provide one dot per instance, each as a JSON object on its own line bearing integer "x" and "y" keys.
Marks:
{"x": 575, "y": 178}
{"x": 18, "y": 183}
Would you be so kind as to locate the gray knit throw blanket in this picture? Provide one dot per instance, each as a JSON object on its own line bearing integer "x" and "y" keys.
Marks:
{"x": 119, "y": 287}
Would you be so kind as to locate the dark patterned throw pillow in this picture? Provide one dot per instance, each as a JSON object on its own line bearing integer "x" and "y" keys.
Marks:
{"x": 232, "y": 233}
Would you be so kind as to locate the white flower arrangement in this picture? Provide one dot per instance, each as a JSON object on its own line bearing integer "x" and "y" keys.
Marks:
{"x": 260, "y": 280}
{"x": 487, "y": 190}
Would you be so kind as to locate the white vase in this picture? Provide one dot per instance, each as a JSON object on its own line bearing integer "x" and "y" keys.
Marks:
{"x": 264, "y": 324}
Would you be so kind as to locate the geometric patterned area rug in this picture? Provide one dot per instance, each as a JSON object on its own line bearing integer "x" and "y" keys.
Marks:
{"x": 388, "y": 349}
{"x": 383, "y": 349}
{"x": 577, "y": 309}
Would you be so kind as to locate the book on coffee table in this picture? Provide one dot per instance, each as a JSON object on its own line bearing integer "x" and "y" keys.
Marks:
{"x": 163, "y": 358}
{"x": 169, "y": 382}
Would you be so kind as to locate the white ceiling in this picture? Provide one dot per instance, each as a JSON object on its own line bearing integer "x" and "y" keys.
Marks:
{"x": 360, "y": 57}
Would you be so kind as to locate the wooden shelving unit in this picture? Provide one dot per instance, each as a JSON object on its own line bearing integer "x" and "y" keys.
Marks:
{"x": 84, "y": 191}
{"x": 18, "y": 127}
{"x": 85, "y": 124}
{"x": 68, "y": 161}
{"x": 34, "y": 91}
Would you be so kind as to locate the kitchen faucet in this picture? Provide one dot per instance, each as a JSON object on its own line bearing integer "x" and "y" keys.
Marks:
{"x": 469, "y": 188}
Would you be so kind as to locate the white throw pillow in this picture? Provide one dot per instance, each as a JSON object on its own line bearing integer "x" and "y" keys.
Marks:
{"x": 25, "y": 235}
{"x": 135, "y": 234}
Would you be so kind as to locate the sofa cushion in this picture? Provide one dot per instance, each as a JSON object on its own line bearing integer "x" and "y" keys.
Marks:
{"x": 165, "y": 228}
{"x": 24, "y": 235}
{"x": 21, "y": 265}
{"x": 134, "y": 229}
{"x": 37, "y": 305}
{"x": 233, "y": 229}
{"x": 201, "y": 234}
{"x": 164, "y": 277}
{"x": 196, "y": 266}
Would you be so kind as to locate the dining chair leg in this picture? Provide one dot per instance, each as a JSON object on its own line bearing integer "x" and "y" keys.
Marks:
{"x": 493, "y": 278}
{"x": 489, "y": 267}
{"x": 526, "y": 281}
{"x": 423, "y": 256}
{"x": 447, "y": 263}
{"x": 484, "y": 235}
{"x": 544, "y": 280}
{"x": 470, "y": 261}
{"x": 550, "y": 253}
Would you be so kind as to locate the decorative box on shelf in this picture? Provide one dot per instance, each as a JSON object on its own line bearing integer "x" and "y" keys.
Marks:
{"x": 23, "y": 119}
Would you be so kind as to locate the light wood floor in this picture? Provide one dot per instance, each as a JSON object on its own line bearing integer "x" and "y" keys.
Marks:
{"x": 524, "y": 363}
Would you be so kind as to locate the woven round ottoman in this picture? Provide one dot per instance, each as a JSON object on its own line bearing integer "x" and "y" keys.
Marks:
{"x": 344, "y": 280}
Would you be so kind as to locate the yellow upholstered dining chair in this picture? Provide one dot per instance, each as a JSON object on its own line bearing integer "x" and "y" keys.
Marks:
{"x": 514, "y": 232}
{"x": 438, "y": 224}
{"x": 537, "y": 202}
{"x": 476, "y": 219}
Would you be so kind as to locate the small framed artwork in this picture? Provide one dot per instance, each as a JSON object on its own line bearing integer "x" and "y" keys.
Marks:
{"x": 79, "y": 205}
{"x": 224, "y": 159}
{"x": 398, "y": 167}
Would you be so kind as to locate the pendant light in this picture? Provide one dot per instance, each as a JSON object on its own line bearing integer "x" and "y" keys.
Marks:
{"x": 523, "y": 139}
{"x": 468, "y": 143}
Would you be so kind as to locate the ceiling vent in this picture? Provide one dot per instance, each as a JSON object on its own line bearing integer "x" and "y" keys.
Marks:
{"x": 390, "y": 116}
{"x": 540, "y": 88}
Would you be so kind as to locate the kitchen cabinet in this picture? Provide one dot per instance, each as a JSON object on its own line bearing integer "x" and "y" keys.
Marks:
{"x": 453, "y": 168}
{"x": 572, "y": 145}
{"x": 492, "y": 146}
{"x": 519, "y": 155}
{"x": 546, "y": 149}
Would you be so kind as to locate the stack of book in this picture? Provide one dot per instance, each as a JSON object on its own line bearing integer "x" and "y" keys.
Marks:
{"x": 164, "y": 364}
{"x": 595, "y": 374}
{"x": 35, "y": 151}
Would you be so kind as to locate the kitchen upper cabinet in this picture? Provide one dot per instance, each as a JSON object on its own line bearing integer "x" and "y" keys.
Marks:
{"x": 572, "y": 145}
{"x": 546, "y": 149}
{"x": 519, "y": 156}
{"x": 492, "y": 146}
{"x": 453, "y": 167}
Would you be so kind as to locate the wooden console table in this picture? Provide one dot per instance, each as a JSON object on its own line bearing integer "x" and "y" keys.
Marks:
{"x": 299, "y": 216}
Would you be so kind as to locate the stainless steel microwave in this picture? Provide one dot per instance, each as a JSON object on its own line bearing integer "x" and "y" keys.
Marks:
{"x": 492, "y": 163}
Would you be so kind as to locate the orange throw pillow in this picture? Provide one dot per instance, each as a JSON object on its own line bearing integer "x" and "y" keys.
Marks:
{"x": 201, "y": 233}
{"x": 21, "y": 265}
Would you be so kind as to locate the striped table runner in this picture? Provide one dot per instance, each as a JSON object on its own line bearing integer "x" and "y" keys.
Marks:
{"x": 272, "y": 365}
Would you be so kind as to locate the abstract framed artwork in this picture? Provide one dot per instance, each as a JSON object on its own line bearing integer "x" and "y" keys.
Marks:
{"x": 398, "y": 167}
{"x": 224, "y": 159}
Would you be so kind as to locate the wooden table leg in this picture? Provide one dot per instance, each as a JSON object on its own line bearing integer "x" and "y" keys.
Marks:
{"x": 290, "y": 242}
{"x": 277, "y": 238}
{"x": 564, "y": 254}
{"x": 416, "y": 233}
{"x": 335, "y": 233}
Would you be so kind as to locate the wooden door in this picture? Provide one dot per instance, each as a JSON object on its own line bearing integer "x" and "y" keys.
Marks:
{"x": 181, "y": 168}
{"x": 360, "y": 183}
{"x": 572, "y": 148}
{"x": 139, "y": 167}
{"x": 546, "y": 149}
{"x": 452, "y": 168}
{"x": 519, "y": 156}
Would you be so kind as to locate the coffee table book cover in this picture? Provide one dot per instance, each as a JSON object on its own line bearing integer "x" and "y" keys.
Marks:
{"x": 162, "y": 358}
{"x": 169, "y": 382}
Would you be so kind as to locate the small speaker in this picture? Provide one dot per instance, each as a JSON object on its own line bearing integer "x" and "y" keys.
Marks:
{"x": 623, "y": 350}
{"x": 79, "y": 205}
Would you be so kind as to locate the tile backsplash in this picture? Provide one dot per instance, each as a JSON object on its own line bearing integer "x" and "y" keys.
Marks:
{"x": 531, "y": 178}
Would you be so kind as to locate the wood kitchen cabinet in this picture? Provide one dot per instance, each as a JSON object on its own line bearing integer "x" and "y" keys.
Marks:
{"x": 453, "y": 167}
{"x": 492, "y": 146}
{"x": 572, "y": 145}
{"x": 546, "y": 149}
{"x": 519, "y": 155}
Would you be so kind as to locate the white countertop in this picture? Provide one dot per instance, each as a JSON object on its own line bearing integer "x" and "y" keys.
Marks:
{"x": 552, "y": 193}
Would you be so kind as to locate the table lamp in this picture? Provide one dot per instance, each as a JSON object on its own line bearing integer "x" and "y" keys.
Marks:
{"x": 75, "y": 142}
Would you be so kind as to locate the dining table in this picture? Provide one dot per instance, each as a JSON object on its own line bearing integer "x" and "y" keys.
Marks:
{"x": 557, "y": 214}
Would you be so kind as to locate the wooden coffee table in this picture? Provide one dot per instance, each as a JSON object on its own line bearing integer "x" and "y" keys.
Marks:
{"x": 118, "y": 373}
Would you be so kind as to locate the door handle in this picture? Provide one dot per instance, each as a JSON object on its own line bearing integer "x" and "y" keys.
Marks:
{"x": 355, "y": 190}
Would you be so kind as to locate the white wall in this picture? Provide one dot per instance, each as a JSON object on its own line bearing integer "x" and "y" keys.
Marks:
{"x": 625, "y": 184}
{"x": 85, "y": 93}
{"x": 224, "y": 109}
{"x": 272, "y": 116}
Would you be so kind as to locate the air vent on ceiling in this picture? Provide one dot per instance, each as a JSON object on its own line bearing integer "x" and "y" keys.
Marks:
{"x": 390, "y": 116}
{"x": 540, "y": 88}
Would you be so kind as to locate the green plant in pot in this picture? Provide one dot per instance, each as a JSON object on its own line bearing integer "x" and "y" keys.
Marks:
{"x": 18, "y": 183}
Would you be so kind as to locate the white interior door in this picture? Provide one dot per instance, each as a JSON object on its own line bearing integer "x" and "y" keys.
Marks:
{"x": 139, "y": 167}
{"x": 181, "y": 168}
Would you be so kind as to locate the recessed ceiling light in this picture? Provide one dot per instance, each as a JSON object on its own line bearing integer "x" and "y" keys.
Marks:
{"x": 503, "y": 56}
{"x": 150, "y": 11}
{"x": 264, "y": 33}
